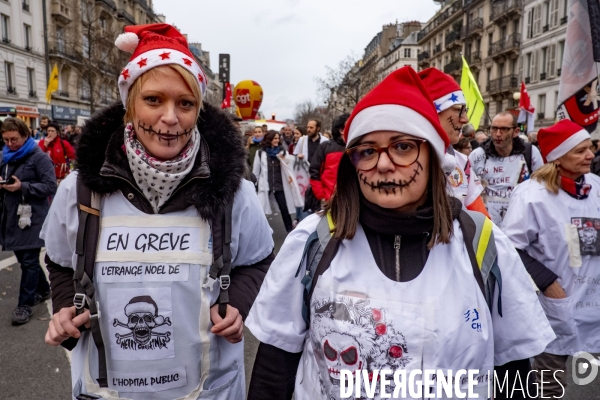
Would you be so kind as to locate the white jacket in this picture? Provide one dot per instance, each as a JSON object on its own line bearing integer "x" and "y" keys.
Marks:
{"x": 260, "y": 169}
{"x": 302, "y": 146}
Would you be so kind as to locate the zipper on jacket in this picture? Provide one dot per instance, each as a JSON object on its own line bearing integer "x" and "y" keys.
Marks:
{"x": 397, "y": 241}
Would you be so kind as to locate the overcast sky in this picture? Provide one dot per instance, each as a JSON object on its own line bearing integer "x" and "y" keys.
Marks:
{"x": 285, "y": 44}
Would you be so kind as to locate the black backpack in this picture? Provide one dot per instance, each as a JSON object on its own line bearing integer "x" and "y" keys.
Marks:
{"x": 87, "y": 243}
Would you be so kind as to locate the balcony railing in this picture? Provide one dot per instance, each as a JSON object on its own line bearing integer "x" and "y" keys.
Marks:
{"x": 452, "y": 38}
{"x": 424, "y": 55}
{"x": 122, "y": 14}
{"x": 509, "y": 83}
{"x": 564, "y": 20}
{"x": 5, "y": 40}
{"x": 527, "y": 80}
{"x": 110, "y": 3}
{"x": 475, "y": 26}
{"x": 511, "y": 42}
{"x": 85, "y": 97}
{"x": 545, "y": 28}
{"x": 543, "y": 76}
{"x": 437, "y": 49}
{"x": 11, "y": 90}
{"x": 439, "y": 19}
{"x": 558, "y": 71}
{"x": 32, "y": 93}
{"x": 541, "y": 115}
{"x": 474, "y": 58}
{"x": 453, "y": 66}
{"x": 62, "y": 93}
{"x": 504, "y": 8}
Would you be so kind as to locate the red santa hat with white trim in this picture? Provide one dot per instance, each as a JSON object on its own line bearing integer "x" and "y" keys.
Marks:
{"x": 399, "y": 103}
{"x": 154, "y": 45}
{"x": 560, "y": 138}
{"x": 442, "y": 88}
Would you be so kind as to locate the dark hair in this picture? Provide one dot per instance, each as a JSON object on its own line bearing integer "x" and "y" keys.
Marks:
{"x": 15, "y": 124}
{"x": 595, "y": 142}
{"x": 266, "y": 142}
{"x": 54, "y": 125}
{"x": 316, "y": 122}
{"x": 508, "y": 113}
{"x": 463, "y": 143}
{"x": 345, "y": 202}
{"x": 45, "y": 117}
{"x": 302, "y": 130}
{"x": 336, "y": 126}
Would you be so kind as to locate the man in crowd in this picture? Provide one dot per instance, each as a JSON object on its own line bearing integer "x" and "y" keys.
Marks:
{"x": 468, "y": 131}
{"x": 307, "y": 145}
{"x": 451, "y": 106}
{"x": 44, "y": 121}
{"x": 502, "y": 163}
{"x": 480, "y": 136}
{"x": 286, "y": 136}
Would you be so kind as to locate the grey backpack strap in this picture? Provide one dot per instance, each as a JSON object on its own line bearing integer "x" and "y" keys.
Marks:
{"x": 87, "y": 243}
{"x": 221, "y": 266}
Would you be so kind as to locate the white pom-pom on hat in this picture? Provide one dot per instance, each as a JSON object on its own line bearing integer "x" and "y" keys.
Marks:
{"x": 127, "y": 41}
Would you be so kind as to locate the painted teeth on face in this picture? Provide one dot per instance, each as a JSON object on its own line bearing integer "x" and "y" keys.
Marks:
{"x": 168, "y": 136}
{"x": 456, "y": 128}
{"x": 389, "y": 187}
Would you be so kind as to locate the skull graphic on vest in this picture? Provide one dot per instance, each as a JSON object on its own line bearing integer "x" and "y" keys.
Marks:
{"x": 352, "y": 335}
{"x": 142, "y": 320}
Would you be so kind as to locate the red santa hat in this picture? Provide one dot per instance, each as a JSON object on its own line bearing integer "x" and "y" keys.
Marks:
{"x": 399, "y": 103}
{"x": 154, "y": 45}
{"x": 560, "y": 138}
{"x": 442, "y": 88}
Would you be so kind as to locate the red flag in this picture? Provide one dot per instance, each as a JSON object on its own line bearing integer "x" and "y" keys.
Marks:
{"x": 527, "y": 110}
{"x": 227, "y": 100}
{"x": 525, "y": 101}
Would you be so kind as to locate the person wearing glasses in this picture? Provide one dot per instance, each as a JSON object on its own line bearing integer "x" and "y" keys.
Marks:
{"x": 397, "y": 290}
{"x": 451, "y": 106}
{"x": 26, "y": 181}
{"x": 553, "y": 220}
{"x": 502, "y": 163}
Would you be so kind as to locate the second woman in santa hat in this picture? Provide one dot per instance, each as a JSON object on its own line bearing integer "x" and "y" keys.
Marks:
{"x": 395, "y": 287}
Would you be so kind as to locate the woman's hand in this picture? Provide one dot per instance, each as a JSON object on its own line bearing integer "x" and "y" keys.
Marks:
{"x": 555, "y": 291}
{"x": 13, "y": 187}
{"x": 231, "y": 327}
{"x": 65, "y": 324}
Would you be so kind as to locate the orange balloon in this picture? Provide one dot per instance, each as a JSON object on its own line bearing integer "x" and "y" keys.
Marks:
{"x": 248, "y": 96}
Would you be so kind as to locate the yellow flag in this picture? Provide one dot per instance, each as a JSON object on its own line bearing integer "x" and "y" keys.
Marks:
{"x": 53, "y": 84}
{"x": 472, "y": 95}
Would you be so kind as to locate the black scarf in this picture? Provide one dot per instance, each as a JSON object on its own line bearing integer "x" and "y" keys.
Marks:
{"x": 391, "y": 222}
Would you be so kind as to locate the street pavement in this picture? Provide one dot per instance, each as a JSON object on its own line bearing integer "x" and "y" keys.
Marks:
{"x": 30, "y": 369}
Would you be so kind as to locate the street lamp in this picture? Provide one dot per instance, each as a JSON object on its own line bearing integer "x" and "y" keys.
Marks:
{"x": 516, "y": 98}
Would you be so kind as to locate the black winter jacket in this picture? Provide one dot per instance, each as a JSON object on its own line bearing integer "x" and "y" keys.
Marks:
{"x": 38, "y": 183}
{"x": 210, "y": 186}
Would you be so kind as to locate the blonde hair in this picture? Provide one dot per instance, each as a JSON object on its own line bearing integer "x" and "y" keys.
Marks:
{"x": 549, "y": 176}
{"x": 136, "y": 88}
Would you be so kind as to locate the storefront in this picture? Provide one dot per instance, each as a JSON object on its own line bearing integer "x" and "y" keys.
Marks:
{"x": 69, "y": 115}
{"x": 29, "y": 115}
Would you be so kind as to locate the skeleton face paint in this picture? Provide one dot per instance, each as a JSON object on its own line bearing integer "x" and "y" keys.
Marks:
{"x": 452, "y": 123}
{"x": 165, "y": 113}
{"x": 390, "y": 187}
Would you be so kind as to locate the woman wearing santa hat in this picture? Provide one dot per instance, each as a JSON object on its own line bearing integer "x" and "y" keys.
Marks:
{"x": 451, "y": 106}
{"x": 395, "y": 287}
{"x": 553, "y": 221}
{"x": 178, "y": 230}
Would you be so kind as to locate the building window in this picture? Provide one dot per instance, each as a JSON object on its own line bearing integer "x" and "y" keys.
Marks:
{"x": 25, "y": 4}
{"x": 86, "y": 46}
{"x": 406, "y": 53}
{"x": 541, "y": 106}
{"x": 27, "y": 30}
{"x": 31, "y": 81}
{"x": 5, "y": 20}
{"x": 103, "y": 25}
{"x": 86, "y": 91}
{"x": 60, "y": 40}
{"x": 544, "y": 61}
{"x": 498, "y": 106}
{"x": 529, "y": 28}
{"x": 9, "y": 70}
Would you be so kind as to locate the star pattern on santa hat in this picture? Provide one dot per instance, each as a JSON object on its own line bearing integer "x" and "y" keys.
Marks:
{"x": 454, "y": 98}
{"x": 187, "y": 61}
{"x": 438, "y": 107}
{"x": 125, "y": 73}
{"x": 165, "y": 56}
{"x": 142, "y": 62}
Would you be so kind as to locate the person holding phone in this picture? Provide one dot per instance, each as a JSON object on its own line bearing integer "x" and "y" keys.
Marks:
{"x": 26, "y": 181}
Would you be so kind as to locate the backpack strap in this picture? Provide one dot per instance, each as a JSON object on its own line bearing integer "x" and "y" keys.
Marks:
{"x": 477, "y": 230}
{"x": 319, "y": 251}
{"x": 87, "y": 243}
{"x": 528, "y": 154}
{"x": 221, "y": 266}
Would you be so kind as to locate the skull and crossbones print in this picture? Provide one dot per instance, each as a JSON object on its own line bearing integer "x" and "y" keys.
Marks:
{"x": 142, "y": 320}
